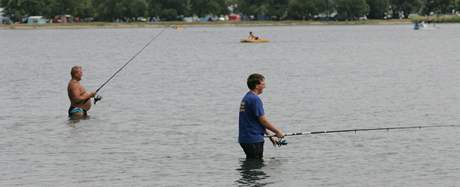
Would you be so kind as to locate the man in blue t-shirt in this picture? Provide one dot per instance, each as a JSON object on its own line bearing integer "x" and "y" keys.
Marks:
{"x": 253, "y": 123}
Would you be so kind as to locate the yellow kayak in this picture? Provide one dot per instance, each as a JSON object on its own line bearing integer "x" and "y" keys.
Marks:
{"x": 260, "y": 40}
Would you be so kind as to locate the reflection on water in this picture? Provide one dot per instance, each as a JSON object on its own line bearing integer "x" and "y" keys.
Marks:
{"x": 252, "y": 173}
{"x": 74, "y": 120}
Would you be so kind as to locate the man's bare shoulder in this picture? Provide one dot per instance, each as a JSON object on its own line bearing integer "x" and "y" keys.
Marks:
{"x": 74, "y": 84}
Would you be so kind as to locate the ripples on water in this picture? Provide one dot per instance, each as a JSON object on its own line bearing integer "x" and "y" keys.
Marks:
{"x": 170, "y": 117}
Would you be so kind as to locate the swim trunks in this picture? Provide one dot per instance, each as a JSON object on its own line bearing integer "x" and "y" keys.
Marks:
{"x": 73, "y": 110}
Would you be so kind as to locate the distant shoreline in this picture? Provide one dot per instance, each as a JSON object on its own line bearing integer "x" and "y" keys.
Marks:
{"x": 177, "y": 24}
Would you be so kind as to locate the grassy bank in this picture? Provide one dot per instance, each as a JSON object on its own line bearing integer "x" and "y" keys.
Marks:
{"x": 438, "y": 19}
{"x": 199, "y": 24}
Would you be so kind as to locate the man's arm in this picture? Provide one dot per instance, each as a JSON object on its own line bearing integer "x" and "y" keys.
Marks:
{"x": 264, "y": 121}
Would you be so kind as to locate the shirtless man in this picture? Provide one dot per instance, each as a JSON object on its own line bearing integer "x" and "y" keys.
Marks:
{"x": 80, "y": 99}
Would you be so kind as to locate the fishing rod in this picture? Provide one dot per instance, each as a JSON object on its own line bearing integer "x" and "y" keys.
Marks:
{"x": 283, "y": 142}
{"x": 368, "y": 129}
{"x": 97, "y": 97}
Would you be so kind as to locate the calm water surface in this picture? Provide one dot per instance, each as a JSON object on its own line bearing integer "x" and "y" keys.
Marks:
{"x": 170, "y": 117}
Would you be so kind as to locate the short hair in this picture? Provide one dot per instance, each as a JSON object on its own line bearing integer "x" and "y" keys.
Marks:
{"x": 74, "y": 70}
{"x": 254, "y": 80}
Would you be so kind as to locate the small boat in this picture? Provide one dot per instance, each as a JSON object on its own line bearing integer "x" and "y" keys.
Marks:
{"x": 423, "y": 26}
{"x": 177, "y": 27}
{"x": 260, "y": 40}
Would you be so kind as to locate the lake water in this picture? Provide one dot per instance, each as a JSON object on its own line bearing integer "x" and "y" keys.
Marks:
{"x": 170, "y": 118}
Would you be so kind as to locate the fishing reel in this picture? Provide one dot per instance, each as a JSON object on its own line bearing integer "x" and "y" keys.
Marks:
{"x": 97, "y": 98}
{"x": 279, "y": 142}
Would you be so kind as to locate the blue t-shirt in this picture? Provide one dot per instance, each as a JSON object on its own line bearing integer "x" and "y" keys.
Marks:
{"x": 250, "y": 128}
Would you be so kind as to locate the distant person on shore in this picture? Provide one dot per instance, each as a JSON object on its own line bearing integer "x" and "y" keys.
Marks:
{"x": 253, "y": 123}
{"x": 80, "y": 99}
{"x": 252, "y": 36}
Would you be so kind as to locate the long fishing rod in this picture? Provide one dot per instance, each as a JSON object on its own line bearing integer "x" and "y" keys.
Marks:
{"x": 130, "y": 60}
{"x": 283, "y": 142}
{"x": 365, "y": 129}
{"x": 97, "y": 98}
{"x": 368, "y": 129}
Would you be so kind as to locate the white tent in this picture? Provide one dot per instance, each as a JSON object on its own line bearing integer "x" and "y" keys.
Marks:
{"x": 1, "y": 16}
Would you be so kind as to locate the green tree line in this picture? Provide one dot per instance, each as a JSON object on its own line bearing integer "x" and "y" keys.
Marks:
{"x": 109, "y": 10}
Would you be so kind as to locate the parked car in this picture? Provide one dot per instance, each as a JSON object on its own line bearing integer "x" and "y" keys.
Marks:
{"x": 5, "y": 20}
{"x": 63, "y": 19}
{"x": 36, "y": 20}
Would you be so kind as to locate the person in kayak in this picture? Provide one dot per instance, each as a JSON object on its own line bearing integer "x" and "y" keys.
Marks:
{"x": 252, "y": 36}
